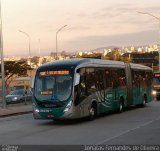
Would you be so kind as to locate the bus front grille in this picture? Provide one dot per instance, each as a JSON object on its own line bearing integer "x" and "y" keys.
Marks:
{"x": 49, "y": 104}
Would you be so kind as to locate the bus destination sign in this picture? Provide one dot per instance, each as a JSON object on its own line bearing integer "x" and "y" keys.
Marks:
{"x": 55, "y": 72}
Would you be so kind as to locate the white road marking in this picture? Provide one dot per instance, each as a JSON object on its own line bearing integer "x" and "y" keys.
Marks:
{"x": 127, "y": 131}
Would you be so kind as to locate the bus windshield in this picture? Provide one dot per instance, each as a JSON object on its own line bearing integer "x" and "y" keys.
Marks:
{"x": 53, "y": 87}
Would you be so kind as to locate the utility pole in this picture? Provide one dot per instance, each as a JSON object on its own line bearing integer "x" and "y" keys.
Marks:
{"x": 2, "y": 62}
{"x": 29, "y": 44}
{"x": 158, "y": 19}
{"x": 57, "y": 40}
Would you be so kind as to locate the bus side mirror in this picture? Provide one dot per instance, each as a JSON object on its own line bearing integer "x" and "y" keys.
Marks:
{"x": 77, "y": 79}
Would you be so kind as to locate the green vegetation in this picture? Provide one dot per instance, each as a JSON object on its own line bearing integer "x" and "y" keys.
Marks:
{"x": 13, "y": 69}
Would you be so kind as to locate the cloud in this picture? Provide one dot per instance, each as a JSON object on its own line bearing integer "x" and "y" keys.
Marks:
{"x": 79, "y": 28}
{"x": 139, "y": 38}
{"x": 124, "y": 11}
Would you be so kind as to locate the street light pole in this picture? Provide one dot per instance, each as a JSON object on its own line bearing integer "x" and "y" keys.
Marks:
{"x": 2, "y": 61}
{"x": 157, "y": 18}
{"x": 39, "y": 47}
{"x": 29, "y": 45}
{"x": 39, "y": 51}
{"x": 57, "y": 40}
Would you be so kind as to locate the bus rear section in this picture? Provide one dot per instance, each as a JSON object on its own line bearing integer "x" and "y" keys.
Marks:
{"x": 139, "y": 84}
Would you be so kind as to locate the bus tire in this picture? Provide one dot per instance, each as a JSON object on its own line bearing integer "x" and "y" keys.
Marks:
{"x": 93, "y": 111}
{"x": 121, "y": 107}
{"x": 144, "y": 101}
{"x": 158, "y": 98}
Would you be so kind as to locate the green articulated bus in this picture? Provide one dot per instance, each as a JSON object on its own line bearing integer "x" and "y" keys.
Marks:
{"x": 76, "y": 88}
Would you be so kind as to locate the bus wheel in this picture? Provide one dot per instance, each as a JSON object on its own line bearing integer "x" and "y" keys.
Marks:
{"x": 120, "y": 109}
{"x": 93, "y": 111}
{"x": 144, "y": 101}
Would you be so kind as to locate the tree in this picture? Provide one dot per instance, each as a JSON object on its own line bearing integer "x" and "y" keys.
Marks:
{"x": 15, "y": 68}
{"x": 44, "y": 60}
{"x": 114, "y": 55}
{"x": 53, "y": 54}
{"x": 105, "y": 58}
{"x": 63, "y": 53}
{"x": 125, "y": 59}
{"x": 35, "y": 60}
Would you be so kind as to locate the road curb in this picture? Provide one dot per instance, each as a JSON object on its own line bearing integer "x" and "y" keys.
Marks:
{"x": 14, "y": 114}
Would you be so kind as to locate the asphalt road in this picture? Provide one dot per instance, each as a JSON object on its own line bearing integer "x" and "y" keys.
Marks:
{"x": 134, "y": 126}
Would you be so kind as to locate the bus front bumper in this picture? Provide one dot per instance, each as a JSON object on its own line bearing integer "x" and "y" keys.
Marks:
{"x": 51, "y": 114}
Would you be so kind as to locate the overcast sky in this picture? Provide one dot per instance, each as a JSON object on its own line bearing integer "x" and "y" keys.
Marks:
{"x": 90, "y": 24}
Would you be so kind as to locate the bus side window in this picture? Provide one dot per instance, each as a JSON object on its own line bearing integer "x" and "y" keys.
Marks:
{"x": 99, "y": 79}
{"x": 122, "y": 78}
{"x": 135, "y": 78}
{"x": 90, "y": 78}
{"x": 108, "y": 78}
{"x": 82, "y": 85}
{"x": 142, "y": 79}
{"x": 148, "y": 78}
{"x": 115, "y": 78}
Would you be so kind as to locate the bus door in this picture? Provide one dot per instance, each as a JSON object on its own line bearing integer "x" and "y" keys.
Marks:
{"x": 80, "y": 92}
{"x": 136, "y": 87}
{"x": 115, "y": 86}
{"x": 86, "y": 90}
{"x": 108, "y": 91}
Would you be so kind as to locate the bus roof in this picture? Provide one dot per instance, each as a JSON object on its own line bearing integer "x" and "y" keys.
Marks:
{"x": 73, "y": 63}
{"x": 139, "y": 66}
{"x": 82, "y": 62}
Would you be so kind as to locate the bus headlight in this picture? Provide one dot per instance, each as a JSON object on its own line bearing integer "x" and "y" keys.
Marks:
{"x": 154, "y": 92}
{"x": 68, "y": 106}
{"x": 36, "y": 110}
